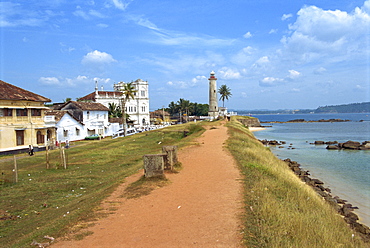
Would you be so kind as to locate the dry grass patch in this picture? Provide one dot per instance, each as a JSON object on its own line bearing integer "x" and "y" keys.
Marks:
{"x": 144, "y": 186}
{"x": 280, "y": 210}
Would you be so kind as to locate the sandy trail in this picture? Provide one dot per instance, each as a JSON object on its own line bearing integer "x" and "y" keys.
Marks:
{"x": 200, "y": 208}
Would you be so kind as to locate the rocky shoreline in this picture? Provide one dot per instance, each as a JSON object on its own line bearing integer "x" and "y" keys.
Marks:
{"x": 341, "y": 206}
{"x": 303, "y": 120}
{"x": 351, "y": 145}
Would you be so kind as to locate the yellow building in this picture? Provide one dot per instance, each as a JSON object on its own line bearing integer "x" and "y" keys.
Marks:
{"x": 22, "y": 119}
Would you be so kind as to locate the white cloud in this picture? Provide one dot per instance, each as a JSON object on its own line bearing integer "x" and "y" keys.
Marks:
{"x": 243, "y": 56}
{"x": 97, "y": 57}
{"x": 180, "y": 84}
{"x": 174, "y": 38}
{"x": 286, "y": 16}
{"x": 72, "y": 82}
{"x": 338, "y": 34}
{"x": 122, "y": 5}
{"x": 273, "y": 31}
{"x": 65, "y": 48}
{"x": 80, "y": 13}
{"x": 270, "y": 81}
{"x": 102, "y": 25}
{"x": 228, "y": 73}
{"x": 13, "y": 15}
{"x": 96, "y": 13}
{"x": 263, "y": 60}
{"x": 320, "y": 70}
{"x": 248, "y": 35}
{"x": 198, "y": 79}
{"x": 293, "y": 74}
{"x": 49, "y": 80}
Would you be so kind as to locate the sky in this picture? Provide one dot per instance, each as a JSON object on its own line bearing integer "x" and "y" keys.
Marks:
{"x": 272, "y": 54}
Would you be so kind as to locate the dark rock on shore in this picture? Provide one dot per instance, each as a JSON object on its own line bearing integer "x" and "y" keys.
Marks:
{"x": 303, "y": 120}
{"x": 341, "y": 206}
{"x": 352, "y": 145}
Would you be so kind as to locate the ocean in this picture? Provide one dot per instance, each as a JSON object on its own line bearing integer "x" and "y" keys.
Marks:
{"x": 345, "y": 172}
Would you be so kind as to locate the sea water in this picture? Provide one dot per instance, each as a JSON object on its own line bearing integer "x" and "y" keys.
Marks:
{"x": 345, "y": 172}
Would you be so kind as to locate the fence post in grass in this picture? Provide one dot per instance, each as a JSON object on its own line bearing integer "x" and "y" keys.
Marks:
{"x": 47, "y": 156}
{"x": 171, "y": 160}
{"x": 154, "y": 165}
{"x": 15, "y": 169}
{"x": 64, "y": 158}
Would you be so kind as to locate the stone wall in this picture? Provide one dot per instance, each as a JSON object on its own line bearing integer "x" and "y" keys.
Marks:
{"x": 250, "y": 122}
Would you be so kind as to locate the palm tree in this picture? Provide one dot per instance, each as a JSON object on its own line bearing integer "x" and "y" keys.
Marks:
{"x": 114, "y": 110}
{"x": 225, "y": 93}
{"x": 128, "y": 91}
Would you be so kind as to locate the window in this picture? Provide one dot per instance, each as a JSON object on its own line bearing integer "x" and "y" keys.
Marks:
{"x": 77, "y": 131}
{"x": 40, "y": 137}
{"x": 20, "y": 137}
{"x": 21, "y": 112}
{"x": 35, "y": 112}
{"x": 97, "y": 116}
{"x": 143, "y": 93}
{"x": 6, "y": 112}
{"x": 142, "y": 108}
{"x": 88, "y": 115}
{"x": 65, "y": 133}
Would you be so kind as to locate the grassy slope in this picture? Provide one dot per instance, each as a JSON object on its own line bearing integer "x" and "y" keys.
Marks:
{"x": 50, "y": 202}
{"x": 281, "y": 211}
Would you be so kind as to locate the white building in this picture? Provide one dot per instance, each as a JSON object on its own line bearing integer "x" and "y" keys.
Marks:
{"x": 93, "y": 116}
{"x": 67, "y": 127}
{"x": 137, "y": 108}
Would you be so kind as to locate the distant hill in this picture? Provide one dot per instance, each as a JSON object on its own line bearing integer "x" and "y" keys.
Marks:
{"x": 344, "y": 108}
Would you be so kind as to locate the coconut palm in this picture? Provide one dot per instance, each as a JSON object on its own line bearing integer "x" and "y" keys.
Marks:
{"x": 128, "y": 91}
{"x": 225, "y": 93}
{"x": 114, "y": 110}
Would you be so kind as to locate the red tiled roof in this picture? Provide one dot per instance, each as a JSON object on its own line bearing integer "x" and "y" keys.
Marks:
{"x": 58, "y": 114}
{"x": 91, "y": 96}
{"x": 92, "y": 106}
{"x": 11, "y": 92}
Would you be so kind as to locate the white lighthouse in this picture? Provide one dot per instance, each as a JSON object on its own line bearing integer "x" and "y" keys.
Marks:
{"x": 213, "y": 101}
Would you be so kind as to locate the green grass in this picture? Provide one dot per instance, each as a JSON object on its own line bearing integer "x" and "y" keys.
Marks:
{"x": 281, "y": 211}
{"x": 51, "y": 201}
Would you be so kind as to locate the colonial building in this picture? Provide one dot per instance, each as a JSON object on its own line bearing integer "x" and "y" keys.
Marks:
{"x": 22, "y": 119}
{"x": 67, "y": 127}
{"x": 137, "y": 108}
{"x": 92, "y": 115}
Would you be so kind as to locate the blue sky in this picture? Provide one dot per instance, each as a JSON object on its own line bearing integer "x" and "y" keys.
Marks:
{"x": 273, "y": 54}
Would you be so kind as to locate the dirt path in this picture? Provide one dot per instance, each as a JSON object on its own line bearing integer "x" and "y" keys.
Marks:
{"x": 200, "y": 208}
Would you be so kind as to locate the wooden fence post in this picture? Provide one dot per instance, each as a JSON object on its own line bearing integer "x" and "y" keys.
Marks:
{"x": 64, "y": 158}
{"x": 47, "y": 156}
{"x": 15, "y": 169}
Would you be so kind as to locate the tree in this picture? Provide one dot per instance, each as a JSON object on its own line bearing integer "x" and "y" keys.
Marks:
{"x": 114, "y": 110}
{"x": 225, "y": 93}
{"x": 172, "y": 108}
{"x": 128, "y": 91}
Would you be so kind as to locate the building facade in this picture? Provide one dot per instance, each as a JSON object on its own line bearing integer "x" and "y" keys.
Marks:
{"x": 92, "y": 115}
{"x": 137, "y": 108}
{"x": 22, "y": 119}
{"x": 67, "y": 127}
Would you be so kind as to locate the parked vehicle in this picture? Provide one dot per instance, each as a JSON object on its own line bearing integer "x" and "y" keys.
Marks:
{"x": 121, "y": 132}
{"x": 92, "y": 137}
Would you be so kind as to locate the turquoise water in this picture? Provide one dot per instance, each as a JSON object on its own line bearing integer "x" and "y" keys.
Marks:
{"x": 346, "y": 172}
